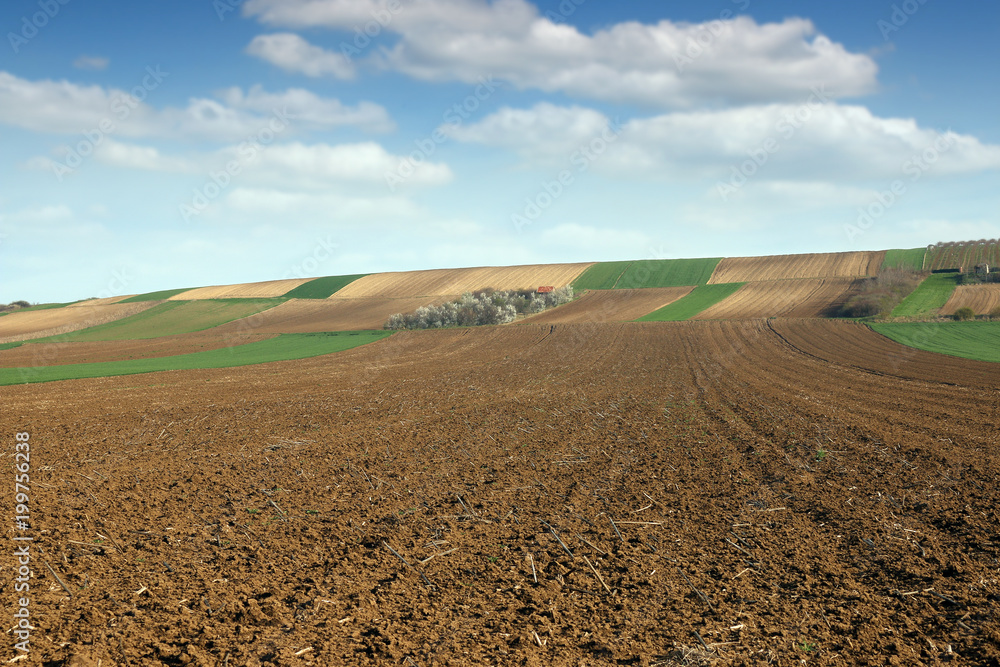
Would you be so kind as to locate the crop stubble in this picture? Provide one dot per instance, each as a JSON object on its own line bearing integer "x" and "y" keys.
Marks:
{"x": 714, "y": 477}
{"x": 786, "y": 267}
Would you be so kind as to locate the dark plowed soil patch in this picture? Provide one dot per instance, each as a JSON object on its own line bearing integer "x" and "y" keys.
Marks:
{"x": 851, "y": 344}
{"x": 56, "y": 354}
{"x": 636, "y": 494}
{"x": 622, "y": 305}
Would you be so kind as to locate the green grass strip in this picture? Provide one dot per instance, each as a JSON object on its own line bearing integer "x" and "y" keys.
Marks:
{"x": 11, "y": 346}
{"x": 929, "y": 296}
{"x": 696, "y": 301}
{"x": 602, "y": 275}
{"x": 905, "y": 259}
{"x": 969, "y": 340}
{"x": 169, "y": 318}
{"x": 282, "y": 348}
{"x": 162, "y": 295}
{"x": 322, "y": 288}
{"x": 668, "y": 273}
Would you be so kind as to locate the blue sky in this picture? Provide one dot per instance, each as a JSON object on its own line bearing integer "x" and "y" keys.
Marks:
{"x": 153, "y": 145}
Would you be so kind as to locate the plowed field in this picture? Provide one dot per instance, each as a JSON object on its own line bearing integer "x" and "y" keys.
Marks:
{"x": 559, "y": 495}
{"x": 58, "y": 354}
{"x": 856, "y": 346}
{"x": 442, "y": 282}
{"x": 265, "y": 290}
{"x": 783, "y": 298}
{"x": 983, "y": 299}
{"x": 54, "y": 321}
{"x": 780, "y": 267}
{"x": 622, "y": 305}
{"x": 333, "y": 314}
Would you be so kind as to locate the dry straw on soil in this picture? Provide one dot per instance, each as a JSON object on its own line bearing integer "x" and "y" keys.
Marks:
{"x": 783, "y": 298}
{"x": 54, "y": 321}
{"x": 786, "y": 267}
{"x": 265, "y": 290}
{"x": 444, "y": 282}
{"x": 982, "y": 299}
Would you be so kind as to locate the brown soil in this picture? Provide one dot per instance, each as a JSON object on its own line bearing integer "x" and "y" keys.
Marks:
{"x": 983, "y": 299}
{"x": 333, "y": 314}
{"x": 783, "y": 267}
{"x": 57, "y": 354}
{"x": 622, "y": 305}
{"x": 821, "y": 297}
{"x": 669, "y": 486}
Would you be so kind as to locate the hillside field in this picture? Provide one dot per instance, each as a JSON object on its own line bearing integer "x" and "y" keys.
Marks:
{"x": 659, "y": 493}
{"x": 930, "y": 296}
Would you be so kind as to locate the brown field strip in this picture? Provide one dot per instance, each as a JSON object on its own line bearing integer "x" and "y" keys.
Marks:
{"x": 58, "y": 354}
{"x": 622, "y": 305}
{"x": 854, "y": 345}
{"x": 782, "y": 298}
{"x": 441, "y": 282}
{"x": 983, "y": 299}
{"x": 54, "y": 321}
{"x": 333, "y": 314}
{"x": 264, "y": 290}
{"x": 785, "y": 267}
{"x": 531, "y": 495}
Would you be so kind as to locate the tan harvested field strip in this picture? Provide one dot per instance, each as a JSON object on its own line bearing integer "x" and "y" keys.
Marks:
{"x": 269, "y": 289}
{"x": 99, "y": 302}
{"x": 333, "y": 314}
{"x": 785, "y": 267}
{"x": 58, "y": 354}
{"x": 54, "y": 321}
{"x": 592, "y": 494}
{"x": 820, "y": 297}
{"x": 622, "y": 305}
{"x": 441, "y": 282}
{"x": 983, "y": 299}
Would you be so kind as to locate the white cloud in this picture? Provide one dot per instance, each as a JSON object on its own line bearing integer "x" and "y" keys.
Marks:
{"x": 766, "y": 142}
{"x": 95, "y": 63}
{"x": 307, "y": 108}
{"x": 322, "y": 165}
{"x": 665, "y": 65}
{"x": 131, "y": 156}
{"x": 62, "y": 107}
{"x": 294, "y": 54}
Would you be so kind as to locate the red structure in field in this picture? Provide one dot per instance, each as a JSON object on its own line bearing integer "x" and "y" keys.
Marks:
{"x": 545, "y": 289}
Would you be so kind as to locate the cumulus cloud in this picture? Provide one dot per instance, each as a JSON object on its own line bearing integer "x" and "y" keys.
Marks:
{"x": 294, "y": 54}
{"x": 309, "y": 109}
{"x": 63, "y": 107}
{"x": 729, "y": 61}
{"x": 807, "y": 141}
